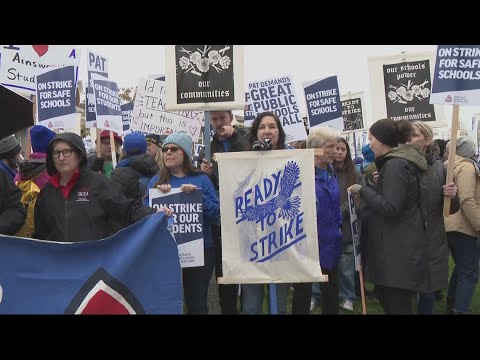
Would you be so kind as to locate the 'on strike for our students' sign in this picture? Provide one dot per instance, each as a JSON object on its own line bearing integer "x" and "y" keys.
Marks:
{"x": 457, "y": 75}
{"x": 107, "y": 105}
{"x": 269, "y": 231}
{"x": 56, "y": 98}
{"x": 188, "y": 222}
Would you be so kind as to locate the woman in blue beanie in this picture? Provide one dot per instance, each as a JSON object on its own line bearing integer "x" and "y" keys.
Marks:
{"x": 178, "y": 172}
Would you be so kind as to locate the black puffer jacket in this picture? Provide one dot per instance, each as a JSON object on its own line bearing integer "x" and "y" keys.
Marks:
{"x": 94, "y": 209}
{"x": 12, "y": 212}
{"x": 130, "y": 170}
{"x": 396, "y": 250}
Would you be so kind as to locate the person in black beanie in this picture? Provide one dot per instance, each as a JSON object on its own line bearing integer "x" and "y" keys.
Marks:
{"x": 10, "y": 156}
{"x": 395, "y": 253}
{"x": 12, "y": 212}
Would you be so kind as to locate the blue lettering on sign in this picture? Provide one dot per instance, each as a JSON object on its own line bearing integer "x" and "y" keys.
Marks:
{"x": 271, "y": 204}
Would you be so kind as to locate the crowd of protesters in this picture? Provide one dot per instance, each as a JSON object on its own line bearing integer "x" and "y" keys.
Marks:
{"x": 399, "y": 186}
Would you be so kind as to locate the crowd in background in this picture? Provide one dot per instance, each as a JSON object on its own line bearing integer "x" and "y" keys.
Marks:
{"x": 399, "y": 185}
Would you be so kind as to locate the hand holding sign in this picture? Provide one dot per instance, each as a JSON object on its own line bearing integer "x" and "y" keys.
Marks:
{"x": 168, "y": 212}
{"x": 165, "y": 188}
{"x": 188, "y": 188}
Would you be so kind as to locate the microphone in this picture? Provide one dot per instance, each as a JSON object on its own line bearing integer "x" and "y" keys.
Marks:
{"x": 262, "y": 145}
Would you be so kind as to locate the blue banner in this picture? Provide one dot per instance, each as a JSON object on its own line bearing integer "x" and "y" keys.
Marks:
{"x": 135, "y": 271}
{"x": 56, "y": 93}
{"x": 323, "y": 102}
{"x": 127, "y": 110}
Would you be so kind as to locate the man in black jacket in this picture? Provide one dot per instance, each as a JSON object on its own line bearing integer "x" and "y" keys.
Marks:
{"x": 226, "y": 139}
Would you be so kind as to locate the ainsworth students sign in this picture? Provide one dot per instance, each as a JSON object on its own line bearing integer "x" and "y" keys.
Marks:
{"x": 187, "y": 227}
{"x": 21, "y": 63}
{"x": 268, "y": 216}
{"x": 205, "y": 77}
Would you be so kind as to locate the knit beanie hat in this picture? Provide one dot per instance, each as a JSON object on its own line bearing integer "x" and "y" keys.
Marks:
{"x": 9, "y": 147}
{"x": 368, "y": 153}
{"x": 154, "y": 138}
{"x": 40, "y": 137}
{"x": 384, "y": 131}
{"x": 466, "y": 147}
{"x": 135, "y": 144}
{"x": 181, "y": 139}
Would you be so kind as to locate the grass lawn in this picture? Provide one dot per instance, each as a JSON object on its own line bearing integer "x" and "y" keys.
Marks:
{"x": 373, "y": 307}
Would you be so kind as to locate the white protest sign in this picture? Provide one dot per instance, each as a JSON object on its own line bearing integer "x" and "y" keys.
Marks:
{"x": 21, "y": 63}
{"x": 268, "y": 214}
{"x": 278, "y": 96}
{"x": 149, "y": 114}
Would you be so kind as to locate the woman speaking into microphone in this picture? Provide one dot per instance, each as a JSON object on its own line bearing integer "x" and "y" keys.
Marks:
{"x": 266, "y": 134}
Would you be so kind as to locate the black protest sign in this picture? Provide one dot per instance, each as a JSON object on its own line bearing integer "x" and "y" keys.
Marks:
{"x": 352, "y": 114}
{"x": 204, "y": 73}
{"x": 16, "y": 112}
{"x": 407, "y": 91}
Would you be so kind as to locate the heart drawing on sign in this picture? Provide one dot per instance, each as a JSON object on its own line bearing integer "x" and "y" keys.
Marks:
{"x": 192, "y": 129}
{"x": 40, "y": 49}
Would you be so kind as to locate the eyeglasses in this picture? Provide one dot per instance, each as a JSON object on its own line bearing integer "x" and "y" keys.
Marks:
{"x": 173, "y": 149}
{"x": 66, "y": 153}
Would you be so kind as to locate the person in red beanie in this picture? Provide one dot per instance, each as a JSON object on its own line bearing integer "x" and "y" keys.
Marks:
{"x": 104, "y": 163}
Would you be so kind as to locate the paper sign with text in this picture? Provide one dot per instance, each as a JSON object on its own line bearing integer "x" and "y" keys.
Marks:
{"x": 268, "y": 216}
{"x": 56, "y": 98}
{"x": 457, "y": 75}
{"x": 150, "y": 114}
{"x": 187, "y": 227}
{"x": 107, "y": 105}
{"x": 278, "y": 96}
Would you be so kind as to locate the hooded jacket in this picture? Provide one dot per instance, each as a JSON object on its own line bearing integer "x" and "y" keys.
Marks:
{"x": 130, "y": 170}
{"x": 396, "y": 249}
{"x": 94, "y": 209}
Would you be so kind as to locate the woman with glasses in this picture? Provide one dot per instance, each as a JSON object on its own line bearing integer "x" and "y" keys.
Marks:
{"x": 178, "y": 172}
{"x": 78, "y": 204}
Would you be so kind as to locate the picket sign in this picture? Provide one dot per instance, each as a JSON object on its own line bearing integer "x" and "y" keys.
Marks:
{"x": 452, "y": 150}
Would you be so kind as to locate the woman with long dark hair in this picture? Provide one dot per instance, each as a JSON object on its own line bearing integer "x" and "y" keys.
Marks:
{"x": 346, "y": 176}
{"x": 266, "y": 133}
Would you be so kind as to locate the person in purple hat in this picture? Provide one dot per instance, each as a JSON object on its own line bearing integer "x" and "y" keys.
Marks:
{"x": 35, "y": 168}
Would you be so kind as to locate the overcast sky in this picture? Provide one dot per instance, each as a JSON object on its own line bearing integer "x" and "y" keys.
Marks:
{"x": 128, "y": 63}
